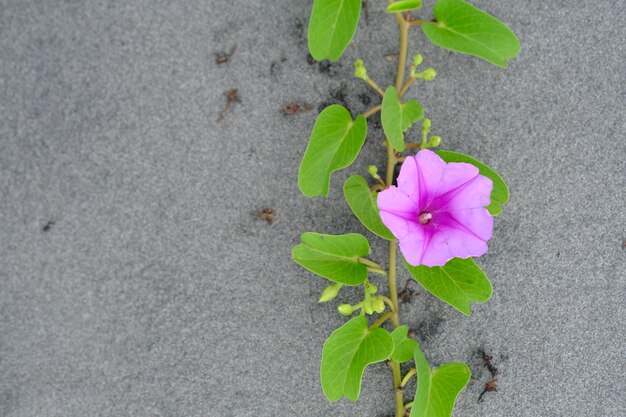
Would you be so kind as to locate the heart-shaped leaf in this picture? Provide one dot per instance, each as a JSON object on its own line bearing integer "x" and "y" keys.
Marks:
{"x": 459, "y": 282}
{"x": 362, "y": 201}
{"x": 403, "y": 347}
{"x": 464, "y": 28}
{"x": 334, "y": 144}
{"x": 346, "y": 354}
{"x": 397, "y": 117}
{"x": 404, "y": 6}
{"x": 332, "y": 26}
{"x": 437, "y": 389}
{"x": 334, "y": 257}
{"x": 500, "y": 192}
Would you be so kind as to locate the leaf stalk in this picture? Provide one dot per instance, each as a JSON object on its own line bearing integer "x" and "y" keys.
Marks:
{"x": 372, "y": 111}
{"x": 382, "y": 319}
{"x": 375, "y": 86}
{"x": 407, "y": 377}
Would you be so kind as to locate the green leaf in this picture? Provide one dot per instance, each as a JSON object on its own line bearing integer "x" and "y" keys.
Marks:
{"x": 404, "y": 6}
{"x": 500, "y": 192}
{"x": 403, "y": 347}
{"x": 334, "y": 144}
{"x": 332, "y": 26}
{"x": 346, "y": 354}
{"x": 362, "y": 201}
{"x": 397, "y": 118}
{"x": 459, "y": 282}
{"x": 464, "y": 28}
{"x": 437, "y": 389}
{"x": 334, "y": 257}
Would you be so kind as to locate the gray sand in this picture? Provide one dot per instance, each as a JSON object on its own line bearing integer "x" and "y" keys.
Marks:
{"x": 157, "y": 291}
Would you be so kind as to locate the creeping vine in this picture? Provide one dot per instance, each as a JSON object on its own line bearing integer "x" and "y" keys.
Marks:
{"x": 438, "y": 213}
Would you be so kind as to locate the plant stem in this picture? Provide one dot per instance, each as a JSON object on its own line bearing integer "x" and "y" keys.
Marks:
{"x": 375, "y": 86}
{"x": 404, "y": 41}
{"x": 403, "y": 25}
{"x": 393, "y": 291}
{"x": 415, "y": 22}
{"x": 391, "y": 164}
{"x": 406, "y": 86}
{"x": 407, "y": 377}
{"x": 391, "y": 278}
{"x": 424, "y": 144}
{"x": 395, "y": 370}
{"x": 372, "y": 111}
{"x": 391, "y": 274}
{"x": 382, "y": 319}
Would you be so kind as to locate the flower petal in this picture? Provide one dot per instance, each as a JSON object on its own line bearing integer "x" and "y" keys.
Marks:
{"x": 456, "y": 175}
{"x": 412, "y": 245}
{"x": 437, "y": 253}
{"x": 477, "y": 221}
{"x": 466, "y": 231}
{"x": 408, "y": 180}
{"x": 430, "y": 170}
{"x": 397, "y": 211}
{"x": 473, "y": 194}
{"x": 463, "y": 243}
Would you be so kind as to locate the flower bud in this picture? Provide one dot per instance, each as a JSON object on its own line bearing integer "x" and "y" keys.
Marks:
{"x": 429, "y": 74}
{"x": 345, "y": 309}
{"x": 426, "y": 123}
{"x": 373, "y": 171}
{"x": 434, "y": 141}
{"x": 418, "y": 59}
{"x": 378, "y": 304}
{"x": 330, "y": 292}
{"x": 371, "y": 289}
{"x": 359, "y": 69}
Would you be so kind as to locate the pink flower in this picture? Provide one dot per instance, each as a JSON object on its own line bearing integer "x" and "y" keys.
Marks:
{"x": 437, "y": 211}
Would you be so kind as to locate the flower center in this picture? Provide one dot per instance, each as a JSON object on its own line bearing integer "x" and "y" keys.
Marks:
{"x": 425, "y": 217}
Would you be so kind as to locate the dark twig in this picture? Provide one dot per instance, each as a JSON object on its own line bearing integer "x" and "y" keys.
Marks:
{"x": 232, "y": 97}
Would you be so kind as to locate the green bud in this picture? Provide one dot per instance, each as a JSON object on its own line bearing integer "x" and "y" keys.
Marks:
{"x": 418, "y": 59}
{"x": 360, "y": 73}
{"x": 371, "y": 289}
{"x": 378, "y": 304}
{"x": 373, "y": 171}
{"x": 359, "y": 69}
{"x": 434, "y": 141}
{"x": 345, "y": 309}
{"x": 330, "y": 292}
{"x": 429, "y": 74}
{"x": 426, "y": 123}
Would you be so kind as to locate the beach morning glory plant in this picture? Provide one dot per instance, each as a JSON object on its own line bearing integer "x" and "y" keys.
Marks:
{"x": 439, "y": 210}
